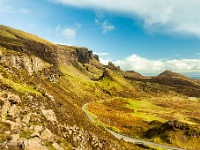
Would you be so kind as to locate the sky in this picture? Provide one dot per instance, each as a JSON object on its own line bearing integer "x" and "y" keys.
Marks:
{"x": 147, "y": 36}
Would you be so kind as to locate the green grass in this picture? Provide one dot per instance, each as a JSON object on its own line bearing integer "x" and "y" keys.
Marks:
{"x": 145, "y": 110}
{"x": 6, "y": 34}
{"x": 22, "y": 88}
{"x": 134, "y": 117}
{"x": 25, "y": 134}
{"x": 4, "y": 127}
{"x": 13, "y": 34}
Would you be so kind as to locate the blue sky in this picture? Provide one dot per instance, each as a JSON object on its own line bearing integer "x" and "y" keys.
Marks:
{"x": 148, "y": 36}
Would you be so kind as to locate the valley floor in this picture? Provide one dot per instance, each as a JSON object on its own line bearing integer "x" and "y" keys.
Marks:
{"x": 166, "y": 120}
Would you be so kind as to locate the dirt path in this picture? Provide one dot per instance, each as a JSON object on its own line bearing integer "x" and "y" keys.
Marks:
{"x": 130, "y": 139}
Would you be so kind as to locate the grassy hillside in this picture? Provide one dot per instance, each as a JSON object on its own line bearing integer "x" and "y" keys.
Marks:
{"x": 45, "y": 76}
{"x": 37, "y": 76}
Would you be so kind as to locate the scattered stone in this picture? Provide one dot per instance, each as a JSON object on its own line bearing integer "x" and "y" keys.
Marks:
{"x": 46, "y": 135}
{"x": 7, "y": 132}
{"x": 33, "y": 144}
{"x": 26, "y": 118}
{"x": 31, "y": 127}
{"x": 50, "y": 115}
{"x": 14, "y": 111}
{"x": 57, "y": 147}
{"x": 15, "y": 138}
{"x": 5, "y": 108}
{"x": 13, "y": 99}
{"x": 18, "y": 120}
{"x": 15, "y": 127}
{"x": 38, "y": 129}
{"x": 35, "y": 134}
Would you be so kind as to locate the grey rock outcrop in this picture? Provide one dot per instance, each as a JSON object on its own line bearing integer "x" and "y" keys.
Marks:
{"x": 26, "y": 118}
{"x": 13, "y": 99}
{"x": 30, "y": 64}
{"x": 46, "y": 135}
{"x": 33, "y": 144}
{"x": 57, "y": 147}
{"x": 50, "y": 115}
{"x": 5, "y": 108}
{"x": 14, "y": 111}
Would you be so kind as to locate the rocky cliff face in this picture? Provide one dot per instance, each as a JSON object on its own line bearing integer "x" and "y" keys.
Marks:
{"x": 31, "y": 64}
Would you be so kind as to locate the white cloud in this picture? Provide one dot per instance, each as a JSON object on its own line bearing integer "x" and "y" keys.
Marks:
{"x": 99, "y": 13}
{"x": 101, "y": 54}
{"x": 69, "y": 33}
{"x": 105, "y": 60}
{"x": 107, "y": 27}
{"x": 169, "y": 16}
{"x": 102, "y": 22}
{"x": 144, "y": 65}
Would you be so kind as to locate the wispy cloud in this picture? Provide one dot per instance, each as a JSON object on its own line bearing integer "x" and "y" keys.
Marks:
{"x": 170, "y": 16}
{"x": 10, "y": 9}
{"x": 101, "y": 54}
{"x": 104, "y": 24}
{"x": 69, "y": 33}
{"x": 144, "y": 65}
{"x": 107, "y": 27}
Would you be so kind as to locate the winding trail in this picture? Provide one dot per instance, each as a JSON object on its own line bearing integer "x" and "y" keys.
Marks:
{"x": 127, "y": 138}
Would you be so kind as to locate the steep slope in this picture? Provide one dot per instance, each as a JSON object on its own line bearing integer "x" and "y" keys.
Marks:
{"x": 42, "y": 89}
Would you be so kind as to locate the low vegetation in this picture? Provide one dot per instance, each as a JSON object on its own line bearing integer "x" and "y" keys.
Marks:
{"x": 165, "y": 119}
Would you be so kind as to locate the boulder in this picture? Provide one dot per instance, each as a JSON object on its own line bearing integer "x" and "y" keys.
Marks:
{"x": 26, "y": 118}
{"x": 38, "y": 129}
{"x": 5, "y": 108}
{"x": 15, "y": 138}
{"x": 46, "y": 135}
{"x": 33, "y": 144}
{"x": 35, "y": 134}
{"x": 57, "y": 147}
{"x": 15, "y": 127}
{"x": 13, "y": 99}
{"x": 14, "y": 111}
{"x": 50, "y": 115}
